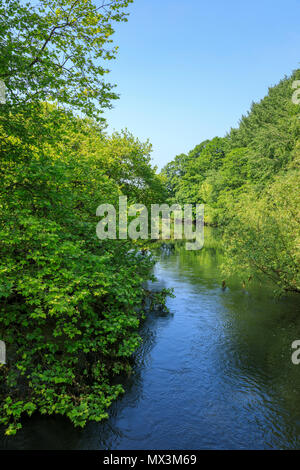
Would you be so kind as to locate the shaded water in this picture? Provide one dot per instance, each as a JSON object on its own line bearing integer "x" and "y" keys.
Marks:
{"x": 216, "y": 373}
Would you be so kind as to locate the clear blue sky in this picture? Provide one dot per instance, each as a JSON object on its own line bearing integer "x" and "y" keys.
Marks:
{"x": 188, "y": 69}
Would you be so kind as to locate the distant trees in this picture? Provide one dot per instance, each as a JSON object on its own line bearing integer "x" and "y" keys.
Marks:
{"x": 249, "y": 181}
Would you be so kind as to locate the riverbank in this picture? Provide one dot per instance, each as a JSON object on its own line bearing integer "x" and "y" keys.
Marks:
{"x": 215, "y": 373}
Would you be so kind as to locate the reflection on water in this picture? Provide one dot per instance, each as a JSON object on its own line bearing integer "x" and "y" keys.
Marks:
{"x": 215, "y": 374}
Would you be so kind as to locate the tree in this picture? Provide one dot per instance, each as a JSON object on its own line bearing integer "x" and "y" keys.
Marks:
{"x": 55, "y": 51}
{"x": 70, "y": 304}
{"x": 243, "y": 179}
{"x": 263, "y": 238}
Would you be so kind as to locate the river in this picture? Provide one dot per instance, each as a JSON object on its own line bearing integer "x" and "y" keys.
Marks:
{"x": 214, "y": 373}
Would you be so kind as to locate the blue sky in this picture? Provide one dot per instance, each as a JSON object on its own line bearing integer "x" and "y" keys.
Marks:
{"x": 188, "y": 69}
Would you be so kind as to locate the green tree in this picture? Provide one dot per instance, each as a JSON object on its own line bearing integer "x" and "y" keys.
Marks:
{"x": 70, "y": 304}
{"x": 238, "y": 177}
{"x": 56, "y": 50}
{"x": 263, "y": 238}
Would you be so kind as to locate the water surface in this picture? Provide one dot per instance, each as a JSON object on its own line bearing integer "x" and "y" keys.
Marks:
{"x": 215, "y": 373}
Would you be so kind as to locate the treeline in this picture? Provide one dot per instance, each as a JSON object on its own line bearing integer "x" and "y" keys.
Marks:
{"x": 70, "y": 304}
{"x": 249, "y": 183}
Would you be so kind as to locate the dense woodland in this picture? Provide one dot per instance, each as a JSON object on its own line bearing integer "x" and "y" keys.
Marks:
{"x": 249, "y": 182}
{"x": 70, "y": 304}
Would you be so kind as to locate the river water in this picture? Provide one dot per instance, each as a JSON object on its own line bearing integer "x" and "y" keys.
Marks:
{"x": 215, "y": 373}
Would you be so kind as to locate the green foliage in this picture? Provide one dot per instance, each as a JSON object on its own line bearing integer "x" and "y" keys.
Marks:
{"x": 54, "y": 50}
{"x": 70, "y": 304}
{"x": 249, "y": 183}
{"x": 263, "y": 238}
